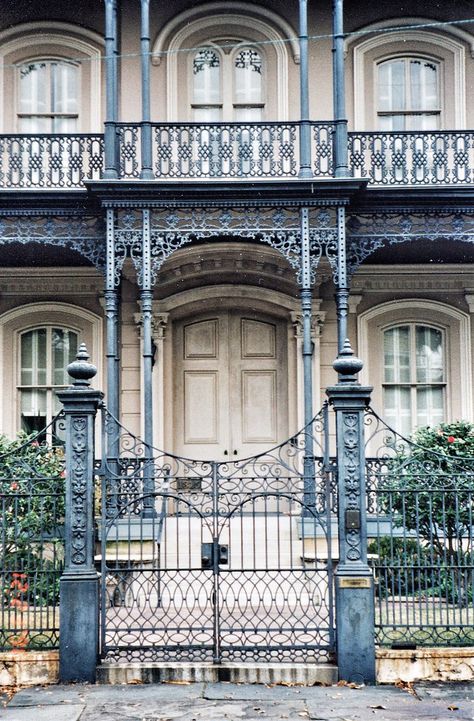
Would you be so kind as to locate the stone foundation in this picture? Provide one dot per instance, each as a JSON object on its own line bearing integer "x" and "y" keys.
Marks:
{"x": 425, "y": 664}
{"x": 29, "y": 668}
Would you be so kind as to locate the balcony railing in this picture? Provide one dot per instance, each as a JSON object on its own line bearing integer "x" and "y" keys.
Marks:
{"x": 237, "y": 151}
{"x": 50, "y": 161}
{"x": 225, "y": 150}
{"x": 413, "y": 157}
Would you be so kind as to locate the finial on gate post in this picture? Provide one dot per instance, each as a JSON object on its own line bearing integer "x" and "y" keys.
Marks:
{"x": 80, "y": 370}
{"x": 347, "y": 365}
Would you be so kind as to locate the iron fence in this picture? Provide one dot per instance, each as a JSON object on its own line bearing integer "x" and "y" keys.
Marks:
{"x": 31, "y": 540}
{"x": 421, "y": 540}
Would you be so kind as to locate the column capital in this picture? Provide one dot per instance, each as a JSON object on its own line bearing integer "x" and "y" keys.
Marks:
{"x": 159, "y": 324}
{"x": 317, "y": 322}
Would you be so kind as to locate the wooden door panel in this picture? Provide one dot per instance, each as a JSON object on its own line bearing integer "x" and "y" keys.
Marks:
{"x": 259, "y": 406}
{"x": 201, "y": 407}
{"x": 201, "y": 340}
{"x": 257, "y": 339}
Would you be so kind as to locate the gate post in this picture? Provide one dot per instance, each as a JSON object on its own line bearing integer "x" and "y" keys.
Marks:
{"x": 79, "y": 583}
{"x": 355, "y": 620}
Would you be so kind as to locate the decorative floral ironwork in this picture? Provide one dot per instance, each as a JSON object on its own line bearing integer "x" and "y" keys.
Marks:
{"x": 171, "y": 229}
{"x": 81, "y": 233}
{"x": 79, "y": 482}
{"x": 368, "y": 232}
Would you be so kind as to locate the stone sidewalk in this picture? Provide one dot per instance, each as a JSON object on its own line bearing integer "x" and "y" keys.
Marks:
{"x": 233, "y": 702}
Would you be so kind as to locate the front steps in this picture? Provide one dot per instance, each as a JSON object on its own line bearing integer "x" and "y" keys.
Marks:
{"x": 265, "y": 673}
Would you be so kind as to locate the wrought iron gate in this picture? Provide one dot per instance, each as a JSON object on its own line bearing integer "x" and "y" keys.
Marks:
{"x": 211, "y": 561}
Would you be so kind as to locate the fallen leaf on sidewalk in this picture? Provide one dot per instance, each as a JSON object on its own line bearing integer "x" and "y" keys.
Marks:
{"x": 406, "y": 686}
{"x": 350, "y": 684}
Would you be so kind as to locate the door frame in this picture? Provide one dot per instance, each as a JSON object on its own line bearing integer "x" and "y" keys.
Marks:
{"x": 206, "y": 299}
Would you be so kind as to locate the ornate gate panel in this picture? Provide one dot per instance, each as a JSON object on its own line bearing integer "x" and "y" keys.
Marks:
{"x": 210, "y": 561}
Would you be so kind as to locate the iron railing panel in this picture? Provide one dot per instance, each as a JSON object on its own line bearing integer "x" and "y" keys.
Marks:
{"x": 421, "y": 540}
{"x": 31, "y": 543}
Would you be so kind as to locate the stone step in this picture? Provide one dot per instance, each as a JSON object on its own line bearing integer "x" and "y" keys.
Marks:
{"x": 264, "y": 673}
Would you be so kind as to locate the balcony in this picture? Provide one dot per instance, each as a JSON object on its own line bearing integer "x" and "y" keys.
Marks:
{"x": 237, "y": 151}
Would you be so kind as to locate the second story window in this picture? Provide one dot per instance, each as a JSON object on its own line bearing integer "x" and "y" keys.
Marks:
{"x": 414, "y": 377}
{"x": 44, "y": 355}
{"x": 408, "y": 96}
{"x": 227, "y": 87}
{"x": 48, "y": 97}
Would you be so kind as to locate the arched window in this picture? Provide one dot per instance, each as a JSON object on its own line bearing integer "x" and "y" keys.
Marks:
{"x": 44, "y": 354}
{"x": 50, "y": 78}
{"x": 417, "y": 357}
{"x": 414, "y": 376}
{"x": 409, "y": 79}
{"x": 408, "y": 96}
{"x": 48, "y": 96}
{"x": 227, "y": 87}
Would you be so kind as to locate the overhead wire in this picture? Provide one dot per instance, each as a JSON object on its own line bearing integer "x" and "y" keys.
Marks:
{"x": 260, "y": 43}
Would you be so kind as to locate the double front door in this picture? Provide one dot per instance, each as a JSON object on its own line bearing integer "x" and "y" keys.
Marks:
{"x": 230, "y": 384}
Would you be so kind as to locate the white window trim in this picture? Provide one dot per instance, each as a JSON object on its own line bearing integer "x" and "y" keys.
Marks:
{"x": 39, "y": 315}
{"x": 414, "y": 41}
{"x": 31, "y": 37}
{"x": 415, "y": 307}
{"x": 218, "y": 18}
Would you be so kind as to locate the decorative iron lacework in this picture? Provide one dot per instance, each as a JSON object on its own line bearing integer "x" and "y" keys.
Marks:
{"x": 367, "y": 232}
{"x": 249, "y": 59}
{"x": 81, "y": 233}
{"x": 205, "y": 58}
{"x": 173, "y": 228}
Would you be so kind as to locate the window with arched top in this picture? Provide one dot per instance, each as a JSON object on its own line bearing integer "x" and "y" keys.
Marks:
{"x": 408, "y": 94}
{"x": 50, "y": 78}
{"x": 417, "y": 357}
{"x": 44, "y": 353}
{"x": 409, "y": 79}
{"x": 227, "y": 87}
{"x": 414, "y": 376}
{"x": 48, "y": 96}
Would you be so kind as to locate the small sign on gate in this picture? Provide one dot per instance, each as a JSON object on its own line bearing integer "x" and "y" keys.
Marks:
{"x": 355, "y": 582}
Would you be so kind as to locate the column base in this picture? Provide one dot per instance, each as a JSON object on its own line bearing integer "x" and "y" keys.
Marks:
{"x": 78, "y": 629}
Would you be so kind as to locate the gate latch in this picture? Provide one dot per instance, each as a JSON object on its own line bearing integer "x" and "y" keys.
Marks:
{"x": 207, "y": 555}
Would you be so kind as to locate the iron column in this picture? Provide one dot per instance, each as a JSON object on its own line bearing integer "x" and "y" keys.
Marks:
{"x": 147, "y": 162}
{"x": 341, "y": 168}
{"x": 111, "y": 91}
{"x": 146, "y": 297}
{"x": 305, "y": 127}
{"x": 306, "y": 312}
